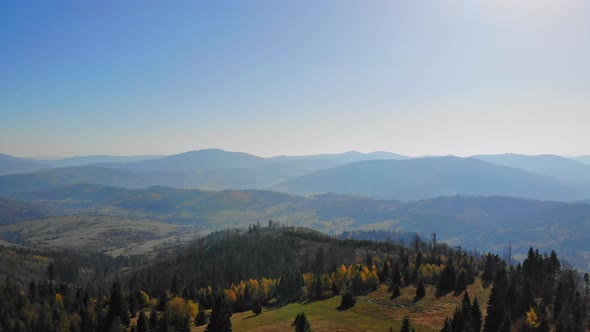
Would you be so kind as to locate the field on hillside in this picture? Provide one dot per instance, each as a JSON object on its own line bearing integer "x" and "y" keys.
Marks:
{"x": 111, "y": 235}
{"x": 372, "y": 312}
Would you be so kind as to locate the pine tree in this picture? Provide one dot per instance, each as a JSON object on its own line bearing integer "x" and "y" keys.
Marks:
{"x": 142, "y": 323}
{"x": 406, "y": 325}
{"x": 201, "y": 318}
{"x": 163, "y": 323}
{"x": 446, "y": 326}
{"x": 220, "y": 316}
{"x": 301, "y": 324}
{"x": 117, "y": 306}
{"x": 495, "y": 308}
{"x": 396, "y": 292}
{"x": 162, "y": 302}
{"x": 461, "y": 281}
{"x": 506, "y": 325}
{"x": 466, "y": 311}
{"x": 257, "y": 308}
{"x": 335, "y": 290}
{"x": 476, "y": 316}
{"x": 347, "y": 301}
{"x": 420, "y": 291}
{"x": 154, "y": 320}
{"x": 385, "y": 272}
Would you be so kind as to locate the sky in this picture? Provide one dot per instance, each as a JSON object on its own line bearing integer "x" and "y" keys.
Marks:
{"x": 294, "y": 77}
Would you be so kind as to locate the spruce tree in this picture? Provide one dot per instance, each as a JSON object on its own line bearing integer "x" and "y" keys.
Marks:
{"x": 117, "y": 306}
{"x": 201, "y": 318}
{"x": 506, "y": 325}
{"x": 257, "y": 308}
{"x": 496, "y": 310}
{"x": 153, "y": 320}
{"x": 301, "y": 324}
{"x": 142, "y": 323}
{"x": 420, "y": 291}
{"x": 396, "y": 292}
{"x": 220, "y": 316}
{"x": 406, "y": 325}
{"x": 476, "y": 316}
{"x": 347, "y": 301}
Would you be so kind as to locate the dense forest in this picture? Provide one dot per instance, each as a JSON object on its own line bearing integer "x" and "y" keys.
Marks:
{"x": 233, "y": 271}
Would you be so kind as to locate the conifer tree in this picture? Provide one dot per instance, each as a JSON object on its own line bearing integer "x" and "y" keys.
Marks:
{"x": 420, "y": 291}
{"x": 396, "y": 292}
{"x": 476, "y": 316}
{"x": 406, "y": 325}
{"x": 257, "y": 308}
{"x": 495, "y": 309}
{"x": 220, "y": 316}
{"x": 201, "y": 318}
{"x": 154, "y": 320}
{"x": 142, "y": 323}
{"x": 301, "y": 324}
{"x": 506, "y": 325}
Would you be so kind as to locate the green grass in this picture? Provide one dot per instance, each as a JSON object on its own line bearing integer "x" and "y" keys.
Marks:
{"x": 372, "y": 312}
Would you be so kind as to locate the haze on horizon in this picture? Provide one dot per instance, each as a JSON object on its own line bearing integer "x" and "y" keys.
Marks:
{"x": 271, "y": 78}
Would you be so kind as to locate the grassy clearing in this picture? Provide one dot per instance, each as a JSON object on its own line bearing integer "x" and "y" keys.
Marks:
{"x": 112, "y": 235}
{"x": 372, "y": 312}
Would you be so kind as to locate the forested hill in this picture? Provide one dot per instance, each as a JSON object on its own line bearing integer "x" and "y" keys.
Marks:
{"x": 484, "y": 223}
{"x": 270, "y": 270}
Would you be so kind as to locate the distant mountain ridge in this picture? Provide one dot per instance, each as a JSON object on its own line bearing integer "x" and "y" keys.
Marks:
{"x": 379, "y": 174}
{"x": 422, "y": 178}
{"x": 564, "y": 169}
{"x": 211, "y": 169}
{"x": 14, "y": 165}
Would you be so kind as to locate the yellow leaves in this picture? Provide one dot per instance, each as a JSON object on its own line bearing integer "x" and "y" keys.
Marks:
{"x": 178, "y": 308}
{"x": 532, "y": 319}
{"x": 145, "y": 298}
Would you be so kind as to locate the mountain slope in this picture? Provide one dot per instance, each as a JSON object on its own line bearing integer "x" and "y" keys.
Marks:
{"x": 555, "y": 166}
{"x": 20, "y": 183}
{"x": 12, "y": 211}
{"x": 485, "y": 223}
{"x": 96, "y": 159}
{"x": 194, "y": 160}
{"x": 14, "y": 165}
{"x": 429, "y": 177}
{"x": 344, "y": 158}
{"x": 583, "y": 159}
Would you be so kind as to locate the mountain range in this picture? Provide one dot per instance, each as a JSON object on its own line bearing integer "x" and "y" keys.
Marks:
{"x": 379, "y": 174}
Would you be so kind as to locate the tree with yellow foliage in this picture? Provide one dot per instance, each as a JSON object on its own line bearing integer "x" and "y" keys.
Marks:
{"x": 532, "y": 319}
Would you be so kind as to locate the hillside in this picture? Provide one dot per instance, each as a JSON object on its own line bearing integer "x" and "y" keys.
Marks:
{"x": 89, "y": 160}
{"x": 12, "y": 211}
{"x": 374, "y": 311}
{"x": 14, "y": 165}
{"x": 484, "y": 223}
{"x": 111, "y": 235}
{"x": 565, "y": 169}
{"x": 429, "y": 177}
{"x": 20, "y": 183}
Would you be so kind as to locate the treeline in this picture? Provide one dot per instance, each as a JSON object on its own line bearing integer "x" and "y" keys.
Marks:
{"x": 537, "y": 295}
{"x": 231, "y": 271}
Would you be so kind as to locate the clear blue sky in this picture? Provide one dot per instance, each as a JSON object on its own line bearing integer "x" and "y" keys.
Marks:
{"x": 294, "y": 77}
